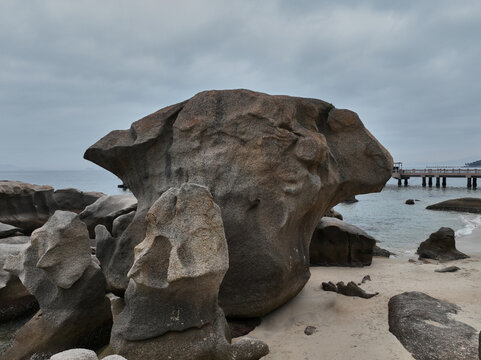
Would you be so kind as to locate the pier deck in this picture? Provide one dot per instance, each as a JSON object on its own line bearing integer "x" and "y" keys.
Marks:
{"x": 439, "y": 174}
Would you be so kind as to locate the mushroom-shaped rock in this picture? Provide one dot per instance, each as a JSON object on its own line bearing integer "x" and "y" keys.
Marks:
{"x": 274, "y": 165}
{"x": 58, "y": 269}
{"x": 171, "y": 309}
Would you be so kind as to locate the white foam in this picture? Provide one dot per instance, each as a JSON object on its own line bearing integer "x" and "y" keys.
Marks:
{"x": 471, "y": 222}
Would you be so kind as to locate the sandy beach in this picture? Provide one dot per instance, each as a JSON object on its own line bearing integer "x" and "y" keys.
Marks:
{"x": 355, "y": 328}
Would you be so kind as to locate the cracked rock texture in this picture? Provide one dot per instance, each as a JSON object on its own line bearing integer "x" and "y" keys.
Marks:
{"x": 171, "y": 308}
{"x": 274, "y": 165}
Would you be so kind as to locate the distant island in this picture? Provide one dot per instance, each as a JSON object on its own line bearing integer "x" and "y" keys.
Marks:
{"x": 474, "y": 164}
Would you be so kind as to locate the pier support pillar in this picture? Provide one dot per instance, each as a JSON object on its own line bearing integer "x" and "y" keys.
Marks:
{"x": 444, "y": 181}
{"x": 406, "y": 182}
{"x": 475, "y": 183}
{"x": 430, "y": 181}
{"x": 438, "y": 184}
{"x": 399, "y": 182}
{"x": 424, "y": 181}
{"x": 469, "y": 183}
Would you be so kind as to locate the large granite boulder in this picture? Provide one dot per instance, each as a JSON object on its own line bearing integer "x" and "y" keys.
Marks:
{"x": 426, "y": 328}
{"x": 440, "y": 245}
{"x": 274, "y": 165}
{"x": 171, "y": 309}
{"x": 337, "y": 243}
{"x": 472, "y": 205}
{"x": 58, "y": 269}
{"x": 74, "y": 200}
{"x": 15, "y": 299}
{"x": 25, "y": 206}
{"x": 106, "y": 209}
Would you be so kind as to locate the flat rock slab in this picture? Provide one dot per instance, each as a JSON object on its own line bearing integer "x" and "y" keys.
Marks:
{"x": 7, "y": 230}
{"x": 447, "y": 269}
{"x": 472, "y": 205}
{"x": 425, "y": 327}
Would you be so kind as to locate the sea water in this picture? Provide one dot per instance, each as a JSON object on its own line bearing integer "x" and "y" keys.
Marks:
{"x": 385, "y": 216}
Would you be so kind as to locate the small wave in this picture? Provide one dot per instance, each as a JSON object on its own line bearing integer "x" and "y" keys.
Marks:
{"x": 470, "y": 222}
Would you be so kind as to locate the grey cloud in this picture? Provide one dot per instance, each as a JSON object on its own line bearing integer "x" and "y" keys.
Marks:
{"x": 71, "y": 72}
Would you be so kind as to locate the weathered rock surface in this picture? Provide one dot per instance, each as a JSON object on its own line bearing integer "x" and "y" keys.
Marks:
{"x": 337, "y": 243}
{"x": 171, "y": 309}
{"x": 57, "y": 268}
{"x": 74, "y": 200}
{"x": 75, "y": 354}
{"x": 15, "y": 299}
{"x": 106, "y": 209}
{"x": 425, "y": 327}
{"x": 441, "y": 245}
{"x": 9, "y": 230}
{"x": 274, "y": 164}
{"x": 472, "y": 205}
{"x": 25, "y": 206}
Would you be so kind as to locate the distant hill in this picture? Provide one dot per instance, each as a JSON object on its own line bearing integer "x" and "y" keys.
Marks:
{"x": 474, "y": 164}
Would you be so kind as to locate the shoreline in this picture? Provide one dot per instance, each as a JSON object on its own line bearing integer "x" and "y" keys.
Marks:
{"x": 349, "y": 328}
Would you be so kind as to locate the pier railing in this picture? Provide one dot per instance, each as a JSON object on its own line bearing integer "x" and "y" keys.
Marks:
{"x": 439, "y": 174}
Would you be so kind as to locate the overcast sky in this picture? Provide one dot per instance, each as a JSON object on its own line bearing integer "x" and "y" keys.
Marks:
{"x": 71, "y": 71}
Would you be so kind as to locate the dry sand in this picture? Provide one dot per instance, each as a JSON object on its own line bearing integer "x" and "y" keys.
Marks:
{"x": 354, "y": 328}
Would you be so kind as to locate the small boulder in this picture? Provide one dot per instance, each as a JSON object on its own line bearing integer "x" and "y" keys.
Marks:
{"x": 410, "y": 202}
{"x": 378, "y": 251}
{"x": 426, "y": 328}
{"x": 75, "y": 354}
{"x": 106, "y": 209}
{"x": 351, "y": 200}
{"x": 309, "y": 330}
{"x": 337, "y": 243}
{"x": 75, "y": 200}
{"x": 447, "y": 269}
{"x": 333, "y": 213}
{"x": 9, "y": 230}
{"x": 441, "y": 245}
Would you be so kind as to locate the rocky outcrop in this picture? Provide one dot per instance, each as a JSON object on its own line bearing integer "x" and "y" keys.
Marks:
{"x": 15, "y": 299}
{"x": 57, "y": 268}
{"x": 74, "y": 200}
{"x": 337, "y": 243}
{"x": 441, "y": 245}
{"x": 106, "y": 209}
{"x": 274, "y": 164}
{"x": 9, "y": 230}
{"x": 25, "y": 206}
{"x": 425, "y": 327}
{"x": 378, "y": 251}
{"x": 472, "y": 205}
{"x": 171, "y": 309}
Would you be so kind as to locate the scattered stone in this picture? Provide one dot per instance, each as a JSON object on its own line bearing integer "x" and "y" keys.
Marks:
{"x": 472, "y": 205}
{"x": 425, "y": 327}
{"x": 333, "y": 213}
{"x": 309, "y": 330}
{"x": 171, "y": 309}
{"x": 377, "y": 251}
{"x": 263, "y": 158}
{"x": 337, "y": 243}
{"x": 9, "y": 230}
{"x": 25, "y": 206}
{"x": 440, "y": 246}
{"x": 410, "y": 202}
{"x": 366, "y": 278}
{"x": 106, "y": 209}
{"x": 57, "y": 268}
{"x": 75, "y": 200}
{"x": 447, "y": 269}
{"x": 351, "y": 289}
{"x": 75, "y": 354}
